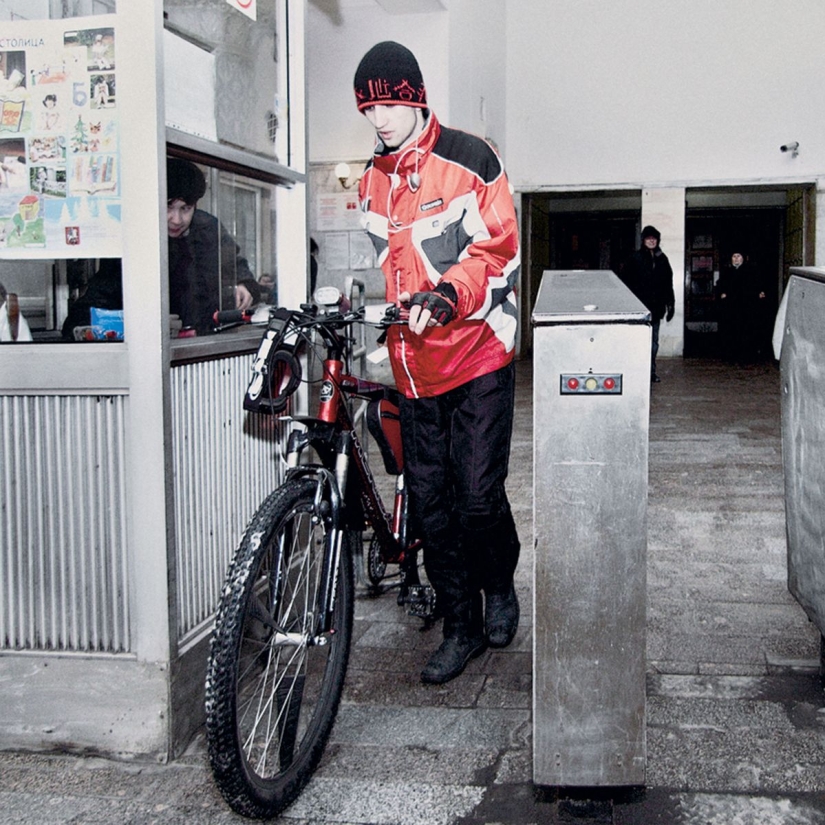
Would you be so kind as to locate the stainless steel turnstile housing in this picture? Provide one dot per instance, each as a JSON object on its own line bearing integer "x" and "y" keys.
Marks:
{"x": 591, "y": 379}
{"x": 802, "y": 365}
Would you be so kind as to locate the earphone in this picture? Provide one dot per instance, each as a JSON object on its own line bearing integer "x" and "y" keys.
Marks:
{"x": 413, "y": 181}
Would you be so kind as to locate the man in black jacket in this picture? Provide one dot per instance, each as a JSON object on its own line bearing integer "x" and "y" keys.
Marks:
{"x": 650, "y": 277}
{"x": 203, "y": 256}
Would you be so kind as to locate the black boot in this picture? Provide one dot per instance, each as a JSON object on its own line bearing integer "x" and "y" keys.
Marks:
{"x": 452, "y": 657}
{"x": 496, "y": 555}
{"x": 463, "y": 640}
{"x": 501, "y": 615}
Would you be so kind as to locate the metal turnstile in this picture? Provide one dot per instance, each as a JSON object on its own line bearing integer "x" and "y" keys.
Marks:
{"x": 802, "y": 365}
{"x": 591, "y": 362}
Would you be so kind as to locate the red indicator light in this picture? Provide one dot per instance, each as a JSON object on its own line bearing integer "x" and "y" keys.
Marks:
{"x": 572, "y": 383}
{"x": 609, "y": 383}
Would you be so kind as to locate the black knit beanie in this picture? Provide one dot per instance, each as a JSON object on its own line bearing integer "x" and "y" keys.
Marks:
{"x": 651, "y": 232}
{"x": 388, "y": 75}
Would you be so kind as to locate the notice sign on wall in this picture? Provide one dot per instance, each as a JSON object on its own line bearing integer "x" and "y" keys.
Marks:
{"x": 248, "y": 7}
{"x": 59, "y": 152}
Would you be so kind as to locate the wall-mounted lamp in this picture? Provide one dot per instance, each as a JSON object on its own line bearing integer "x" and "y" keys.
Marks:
{"x": 342, "y": 172}
{"x": 792, "y": 147}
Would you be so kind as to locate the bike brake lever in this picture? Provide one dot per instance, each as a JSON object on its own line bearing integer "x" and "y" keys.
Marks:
{"x": 385, "y": 315}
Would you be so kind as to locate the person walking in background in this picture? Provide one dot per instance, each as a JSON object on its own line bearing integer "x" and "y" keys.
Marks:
{"x": 650, "y": 277}
{"x": 437, "y": 206}
{"x": 742, "y": 310}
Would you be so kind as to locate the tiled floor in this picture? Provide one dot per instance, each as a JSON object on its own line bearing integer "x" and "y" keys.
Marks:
{"x": 735, "y": 710}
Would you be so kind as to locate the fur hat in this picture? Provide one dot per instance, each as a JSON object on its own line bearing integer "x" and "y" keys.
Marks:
{"x": 388, "y": 75}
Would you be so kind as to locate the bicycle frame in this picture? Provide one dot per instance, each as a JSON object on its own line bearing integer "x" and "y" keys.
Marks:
{"x": 334, "y": 417}
{"x": 333, "y": 435}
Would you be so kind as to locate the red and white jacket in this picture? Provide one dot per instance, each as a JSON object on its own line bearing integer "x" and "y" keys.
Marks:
{"x": 459, "y": 226}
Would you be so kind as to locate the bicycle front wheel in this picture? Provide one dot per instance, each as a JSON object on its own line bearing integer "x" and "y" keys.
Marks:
{"x": 274, "y": 680}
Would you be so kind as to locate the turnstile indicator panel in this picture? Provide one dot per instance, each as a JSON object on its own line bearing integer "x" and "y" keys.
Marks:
{"x": 577, "y": 383}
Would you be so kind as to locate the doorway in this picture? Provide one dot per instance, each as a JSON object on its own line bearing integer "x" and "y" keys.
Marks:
{"x": 711, "y": 237}
{"x": 574, "y": 231}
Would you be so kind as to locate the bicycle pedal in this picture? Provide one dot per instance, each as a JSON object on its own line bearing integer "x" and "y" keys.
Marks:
{"x": 420, "y": 601}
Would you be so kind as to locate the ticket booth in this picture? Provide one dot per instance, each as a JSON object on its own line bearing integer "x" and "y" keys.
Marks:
{"x": 128, "y": 468}
{"x": 591, "y": 411}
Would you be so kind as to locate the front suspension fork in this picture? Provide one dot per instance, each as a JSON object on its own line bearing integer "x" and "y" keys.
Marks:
{"x": 330, "y": 486}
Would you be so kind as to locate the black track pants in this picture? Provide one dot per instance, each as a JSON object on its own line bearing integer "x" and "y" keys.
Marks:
{"x": 456, "y": 452}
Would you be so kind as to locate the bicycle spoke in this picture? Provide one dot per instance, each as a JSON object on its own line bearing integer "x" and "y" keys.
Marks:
{"x": 274, "y": 683}
{"x": 272, "y": 718}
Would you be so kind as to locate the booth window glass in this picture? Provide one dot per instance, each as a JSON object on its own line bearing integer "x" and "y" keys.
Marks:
{"x": 221, "y": 69}
{"x": 60, "y": 193}
{"x": 56, "y": 140}
{"x": 221, "y": 244}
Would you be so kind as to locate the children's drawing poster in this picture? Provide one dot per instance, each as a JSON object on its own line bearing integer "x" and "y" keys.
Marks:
{"x": 59, "y": 154}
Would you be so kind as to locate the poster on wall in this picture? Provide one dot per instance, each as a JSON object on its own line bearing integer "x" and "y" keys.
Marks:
{"x": 248, "y": 7}
{"x": 59, "y": 150}
{"x": 338, "y": 211}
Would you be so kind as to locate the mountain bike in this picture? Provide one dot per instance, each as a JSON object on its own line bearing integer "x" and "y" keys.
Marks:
{"x": 280, "y": 646}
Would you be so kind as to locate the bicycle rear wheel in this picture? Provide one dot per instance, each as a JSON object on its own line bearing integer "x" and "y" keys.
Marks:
{"x": 273, "y": 682}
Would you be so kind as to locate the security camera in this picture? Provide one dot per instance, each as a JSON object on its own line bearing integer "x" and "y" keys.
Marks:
{"x": 793, "y": 147}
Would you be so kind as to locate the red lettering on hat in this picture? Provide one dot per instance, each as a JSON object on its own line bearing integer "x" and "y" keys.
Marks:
{"x": 379, "y": 89}
{"x": 404, "y": 91}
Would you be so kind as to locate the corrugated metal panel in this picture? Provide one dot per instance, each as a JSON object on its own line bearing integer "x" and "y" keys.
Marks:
{"x": 63, "y": 551}
{"x": 225, "y": 462}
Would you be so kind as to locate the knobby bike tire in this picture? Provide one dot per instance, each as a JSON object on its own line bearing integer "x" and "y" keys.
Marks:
{"x": 272, "y": 694}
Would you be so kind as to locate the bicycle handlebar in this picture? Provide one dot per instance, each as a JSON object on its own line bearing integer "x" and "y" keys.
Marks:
{"x": 276, "y": 370}
{"x": 380, "y": 316}
{"x": 232, "y": 316}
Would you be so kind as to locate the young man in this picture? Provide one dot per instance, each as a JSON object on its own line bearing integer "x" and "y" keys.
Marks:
{"x": 201, "y": 252}
{"x": 438, "y": 208}
{"x": 650, "y": 277}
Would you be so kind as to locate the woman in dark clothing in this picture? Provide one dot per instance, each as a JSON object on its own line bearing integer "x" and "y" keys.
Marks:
{"x": 742, "y": 305}
{"x": 649, "y": 275}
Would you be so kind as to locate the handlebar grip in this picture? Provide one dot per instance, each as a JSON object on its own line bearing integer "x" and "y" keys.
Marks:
{"x": 232, "y": 316}
{"x": 383, "y": 315}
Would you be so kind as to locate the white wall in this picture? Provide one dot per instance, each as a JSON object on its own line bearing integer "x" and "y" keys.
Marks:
{"x": 478, "y": 60}
{"x": 338, "y": 36}
{"x": 593, "y": 93}
{"x": 663, "y": 90}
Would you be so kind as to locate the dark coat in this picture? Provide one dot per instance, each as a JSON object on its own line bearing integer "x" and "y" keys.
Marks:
{"x": 650, "y": 277}
{"x": 104, "y": 291}
{"x": 200, "y": 263}
{"x": 741, "y": 286}
{"x": 743, "y": 311}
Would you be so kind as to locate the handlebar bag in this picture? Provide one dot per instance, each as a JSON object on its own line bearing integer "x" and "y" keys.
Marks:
{"x": 276, "y": 370}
